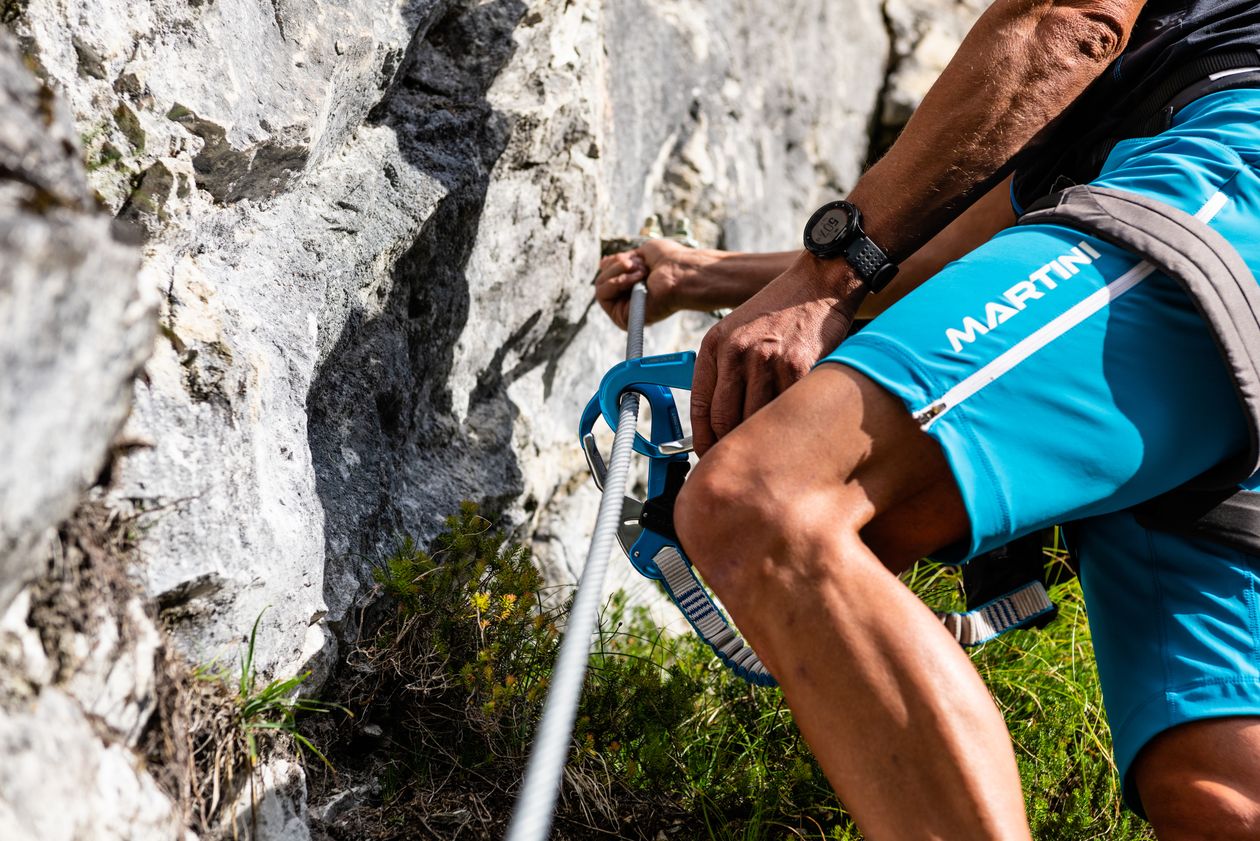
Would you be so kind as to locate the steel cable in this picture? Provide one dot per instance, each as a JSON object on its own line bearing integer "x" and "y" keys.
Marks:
{"x": 536, "y": 801}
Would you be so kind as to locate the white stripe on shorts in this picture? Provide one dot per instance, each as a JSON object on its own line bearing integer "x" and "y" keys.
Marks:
{"x": 1046, "y": 334}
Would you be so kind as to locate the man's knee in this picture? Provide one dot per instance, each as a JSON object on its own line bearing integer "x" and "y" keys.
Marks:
{"x": 1202, "y": 780}
{"x": 741, "y": 517}
{"x": 799, "y": 480}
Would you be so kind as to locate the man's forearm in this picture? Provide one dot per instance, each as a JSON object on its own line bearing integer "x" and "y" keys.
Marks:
{"x": 729, "y": 278}
{"x": 1022, "y": 63}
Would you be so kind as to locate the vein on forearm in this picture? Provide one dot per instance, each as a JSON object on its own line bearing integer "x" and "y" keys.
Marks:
{"x": 1021, "y": 65}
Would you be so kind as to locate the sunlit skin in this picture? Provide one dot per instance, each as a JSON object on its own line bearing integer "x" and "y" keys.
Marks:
{"x": 801, "y": 534}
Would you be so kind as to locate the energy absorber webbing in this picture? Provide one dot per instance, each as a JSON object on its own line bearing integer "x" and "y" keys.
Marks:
{"x": 531, "y": 817}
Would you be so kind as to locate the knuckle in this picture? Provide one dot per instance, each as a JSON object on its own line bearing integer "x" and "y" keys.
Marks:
{"x": 734, "y": 352}
{"x": 764, "y": 352}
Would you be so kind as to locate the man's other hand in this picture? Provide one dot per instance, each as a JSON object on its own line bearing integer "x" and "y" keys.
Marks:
{"x": 753, "y": 355}
{"x": 665, "y": 263}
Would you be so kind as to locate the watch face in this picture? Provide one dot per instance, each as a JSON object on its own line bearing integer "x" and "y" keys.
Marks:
{"x": 829, "y": 226}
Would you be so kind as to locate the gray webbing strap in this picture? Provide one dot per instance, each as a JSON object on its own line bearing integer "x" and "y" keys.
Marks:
{"x": 709, "y": 623}
{"x": 994, "y": 618}
{"x": 1212, "y": 272}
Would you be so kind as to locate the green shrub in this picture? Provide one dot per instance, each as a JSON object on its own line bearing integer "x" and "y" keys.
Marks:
{"x": 667, "y": 740}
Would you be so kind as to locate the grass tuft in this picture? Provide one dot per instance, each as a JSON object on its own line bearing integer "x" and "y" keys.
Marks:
{"x": 274, "y": 707}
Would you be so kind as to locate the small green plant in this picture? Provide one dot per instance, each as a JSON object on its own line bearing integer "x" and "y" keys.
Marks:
{"x": 471, "y": 620}
{"x": 275, "y": 706}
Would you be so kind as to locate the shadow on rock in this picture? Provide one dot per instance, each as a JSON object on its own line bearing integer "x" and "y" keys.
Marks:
{"x": 391, "y": 455}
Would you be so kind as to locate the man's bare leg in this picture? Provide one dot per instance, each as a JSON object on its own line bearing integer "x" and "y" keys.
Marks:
{"x": 781, "y": 518}
{"x": 1202, "y": 780}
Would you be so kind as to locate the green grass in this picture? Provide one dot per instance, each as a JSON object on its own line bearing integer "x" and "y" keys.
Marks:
{"x": 274, "y": 707}
{"x": 455, "y": 673}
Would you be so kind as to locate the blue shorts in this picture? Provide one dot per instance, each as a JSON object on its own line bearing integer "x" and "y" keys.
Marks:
{"x": 1067, "y": 381}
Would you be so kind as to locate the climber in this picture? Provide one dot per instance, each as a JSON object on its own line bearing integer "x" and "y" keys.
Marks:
{"x": 1026, "y": 375}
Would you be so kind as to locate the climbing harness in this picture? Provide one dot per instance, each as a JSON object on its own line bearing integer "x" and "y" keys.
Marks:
{"x": 647, "y": 533}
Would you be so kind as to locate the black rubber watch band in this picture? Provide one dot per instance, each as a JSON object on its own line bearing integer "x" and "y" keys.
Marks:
{"x": 870, "y": 263}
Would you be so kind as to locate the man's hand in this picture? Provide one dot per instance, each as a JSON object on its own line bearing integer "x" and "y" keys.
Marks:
{"x": 770, "y": 342}
{"x": 666, "y": 265}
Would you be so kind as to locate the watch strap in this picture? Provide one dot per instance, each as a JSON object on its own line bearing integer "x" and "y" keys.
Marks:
{"x": 870, "y": 263}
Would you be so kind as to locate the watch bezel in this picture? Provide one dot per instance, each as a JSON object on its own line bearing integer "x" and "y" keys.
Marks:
{"x": 838, "y": 246}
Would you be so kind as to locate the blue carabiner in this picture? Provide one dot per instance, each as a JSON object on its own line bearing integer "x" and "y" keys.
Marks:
{"x": 670, "y": 370}
{"x": 653, "y": 377}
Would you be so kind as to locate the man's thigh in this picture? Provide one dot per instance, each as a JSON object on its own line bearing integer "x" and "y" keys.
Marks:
{"x": 838, "y": 450}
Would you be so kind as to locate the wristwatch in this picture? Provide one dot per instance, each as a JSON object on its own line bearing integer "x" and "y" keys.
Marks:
{"x": 835, "y": 230}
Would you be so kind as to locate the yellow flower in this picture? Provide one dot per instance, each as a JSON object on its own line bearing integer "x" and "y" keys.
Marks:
{"x": 509, "y": 602}
{"x": 480, "y": 601}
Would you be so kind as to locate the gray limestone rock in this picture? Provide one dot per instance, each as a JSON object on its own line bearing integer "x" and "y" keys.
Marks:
{"x": 60, "y": 782}
{"x": 78, "y": 685}
{"x": 74, "y": 331}
{"x": 74, "y": 328}
{"x": 371, "y": 227}
{"x": 372, "y": 236}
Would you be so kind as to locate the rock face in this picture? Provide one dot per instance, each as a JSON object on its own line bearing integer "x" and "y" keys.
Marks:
{"x": 73, "y": 326}
{"x": 371, "y": 227}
